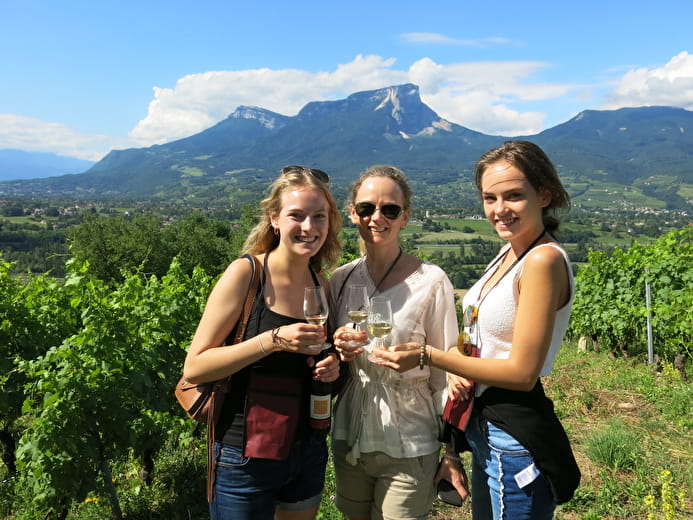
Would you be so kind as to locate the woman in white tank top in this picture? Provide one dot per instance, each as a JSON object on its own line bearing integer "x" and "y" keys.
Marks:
{"x": 516, "y": 317}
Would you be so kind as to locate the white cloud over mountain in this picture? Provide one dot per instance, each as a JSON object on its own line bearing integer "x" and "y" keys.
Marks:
{"x": 668, "y": 85}
{"x": 500, "y": 98}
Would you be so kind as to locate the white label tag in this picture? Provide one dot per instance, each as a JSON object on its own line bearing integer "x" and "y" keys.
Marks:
{"x": 527, "y": 475}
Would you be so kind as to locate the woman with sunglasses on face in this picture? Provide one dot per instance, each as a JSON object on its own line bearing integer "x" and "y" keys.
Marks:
{"x": 515, "y": 320}
{"x": 269, "y": 463}
{"x": 386, "y": 425}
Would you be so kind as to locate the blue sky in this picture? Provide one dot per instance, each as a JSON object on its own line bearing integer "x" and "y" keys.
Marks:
{"x": 80, "y": 78}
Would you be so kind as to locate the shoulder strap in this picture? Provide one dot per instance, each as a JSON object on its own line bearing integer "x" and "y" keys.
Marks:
{"x": 222, "y": 386}
{"x": 313, "y": 275}
{"x": 341, "y": 289}
{"x": 249, "y": 300}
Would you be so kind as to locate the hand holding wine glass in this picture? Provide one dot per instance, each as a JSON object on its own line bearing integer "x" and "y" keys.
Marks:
{"x": 357, "y": 311}
{"x": 315, "y": 309}
{"x": 379, "y": 322}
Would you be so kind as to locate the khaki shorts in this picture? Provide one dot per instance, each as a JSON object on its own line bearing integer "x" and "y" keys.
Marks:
{"x": 383, "y": 487}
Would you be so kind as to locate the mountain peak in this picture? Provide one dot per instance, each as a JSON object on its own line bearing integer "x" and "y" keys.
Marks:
{"x": 394, "y": 97}
{"x": 268, "y": 119}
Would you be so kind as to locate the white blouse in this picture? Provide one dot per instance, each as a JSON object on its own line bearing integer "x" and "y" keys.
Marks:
{"x": 496, "y": 318}
{"x": 380, "y": 409}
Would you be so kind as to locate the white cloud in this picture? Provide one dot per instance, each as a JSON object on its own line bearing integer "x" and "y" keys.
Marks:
{"x": 201, "y": 100}
{"x": 668, "y": 85}
{"x": 34, "y": 135}
{"x": 476, "y": 94}
{"x": 500, "y": 98}
{"x": 435, "y": 38}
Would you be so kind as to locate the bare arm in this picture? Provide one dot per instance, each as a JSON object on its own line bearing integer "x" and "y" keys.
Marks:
{"x": 208, "y": 360}
{"x": 544, "y": 288}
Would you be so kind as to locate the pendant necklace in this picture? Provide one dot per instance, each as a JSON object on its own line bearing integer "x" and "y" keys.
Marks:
{"x": 389, "y": 270}
{"x": 474, "y": 308}
{"x": 515, "y": 262}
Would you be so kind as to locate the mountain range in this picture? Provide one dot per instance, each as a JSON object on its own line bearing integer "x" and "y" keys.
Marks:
{"x": 20, "y": 164}
{"x": 646, "y": 148}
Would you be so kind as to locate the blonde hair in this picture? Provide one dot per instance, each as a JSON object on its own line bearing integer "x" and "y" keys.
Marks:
{"x": 262, "y": 238}
{"x": 389, "y": 172}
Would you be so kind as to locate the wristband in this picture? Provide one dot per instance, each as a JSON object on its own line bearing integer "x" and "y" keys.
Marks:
{"x": 262, "y": 347}
{"x": 452, "y": 457}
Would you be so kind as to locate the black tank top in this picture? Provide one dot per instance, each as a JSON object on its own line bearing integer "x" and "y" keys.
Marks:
{"x": 230, "y": 427}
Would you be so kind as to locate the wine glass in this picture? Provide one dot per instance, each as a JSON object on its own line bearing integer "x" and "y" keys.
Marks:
{"x": 315, "y": 308}
{"x": 379, "y": 322}
{"x": 357, "y": 305}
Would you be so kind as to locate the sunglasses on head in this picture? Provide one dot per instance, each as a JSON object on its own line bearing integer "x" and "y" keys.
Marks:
{"x": 366, "y": 209}
{"x": 318, "y": 174}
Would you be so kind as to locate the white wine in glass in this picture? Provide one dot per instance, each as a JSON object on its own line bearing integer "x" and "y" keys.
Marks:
{"x": 379, "y": 322}
{"x": 357, "y": 305}
{"x": 315, "y": 308}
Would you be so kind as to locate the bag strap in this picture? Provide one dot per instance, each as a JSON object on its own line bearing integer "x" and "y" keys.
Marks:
{"x": 239, "y": 330}
{"x": 222, "y": 386}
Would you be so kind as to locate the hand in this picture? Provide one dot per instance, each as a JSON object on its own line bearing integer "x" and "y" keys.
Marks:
{"x": 459, "y": 387}
{"x": 401, "y": 358}
{"x": 349, "y": 342}
{"x": 327, "y": 369}
{"x": 301, "y": 338}
{"x": 453, "y": 471}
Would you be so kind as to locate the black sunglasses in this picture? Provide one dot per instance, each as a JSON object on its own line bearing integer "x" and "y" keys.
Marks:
{"x": 318, "y": 174}
{"x": 366, "y": 209}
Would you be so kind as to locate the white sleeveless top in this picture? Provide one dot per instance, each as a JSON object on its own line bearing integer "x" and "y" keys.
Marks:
{"x": 496, "y": 319}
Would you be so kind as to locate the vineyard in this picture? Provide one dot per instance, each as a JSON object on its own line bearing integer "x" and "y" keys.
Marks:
{"x": 87, "y": 367}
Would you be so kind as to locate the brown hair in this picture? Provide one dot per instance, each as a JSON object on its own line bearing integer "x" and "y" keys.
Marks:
{"x": 539, "y": 170}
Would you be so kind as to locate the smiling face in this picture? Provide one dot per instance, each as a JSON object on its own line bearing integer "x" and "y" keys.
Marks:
{"x": 511, "y": 204}
{"x": 303, "y": 221}
{"x": 377, "y": 228}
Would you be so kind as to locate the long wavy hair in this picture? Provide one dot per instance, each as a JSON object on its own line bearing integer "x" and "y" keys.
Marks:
{"x": 539, "y": 170}
{"x": 262, "y": 238}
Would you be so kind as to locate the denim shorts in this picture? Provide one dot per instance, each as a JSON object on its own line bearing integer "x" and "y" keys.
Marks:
{"x": 251, "y": 489}
{"x": 506, "y": 485}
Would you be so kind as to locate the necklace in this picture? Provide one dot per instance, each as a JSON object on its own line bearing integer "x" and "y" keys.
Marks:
{"x": 389, "y": 270}
{"x": 515, "y": 262}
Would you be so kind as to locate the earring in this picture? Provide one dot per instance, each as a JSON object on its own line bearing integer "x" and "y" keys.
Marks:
{"x": 276, "y": 231}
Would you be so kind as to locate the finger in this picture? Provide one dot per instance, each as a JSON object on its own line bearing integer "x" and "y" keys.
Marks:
{"x": 461, "y": 489}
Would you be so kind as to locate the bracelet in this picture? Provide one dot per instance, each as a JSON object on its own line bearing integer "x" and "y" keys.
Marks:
{"x": 452, "y": 457}
{"x": 422, "y": 356}
{"x": 262, "y": 347}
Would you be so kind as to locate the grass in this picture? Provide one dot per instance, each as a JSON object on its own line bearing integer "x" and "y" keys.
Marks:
{"x": 630, "y": 426}
{"x": 629, "y": 423}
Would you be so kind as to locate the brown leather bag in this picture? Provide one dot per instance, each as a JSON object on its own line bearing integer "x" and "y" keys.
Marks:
{"x": 203, "y": 401}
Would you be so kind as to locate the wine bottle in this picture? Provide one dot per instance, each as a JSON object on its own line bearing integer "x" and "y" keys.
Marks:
{"x": 320, "y": 403}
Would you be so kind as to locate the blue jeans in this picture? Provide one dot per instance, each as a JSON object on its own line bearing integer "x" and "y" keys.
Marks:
{"x": 250, "y": 489}
{"x": 506, "y": 485}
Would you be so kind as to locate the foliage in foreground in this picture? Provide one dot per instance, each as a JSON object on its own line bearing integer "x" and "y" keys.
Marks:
{"x": 89, "y": 427}
{"x": 87, "y": 379}
{"x": 611, "y": 300}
